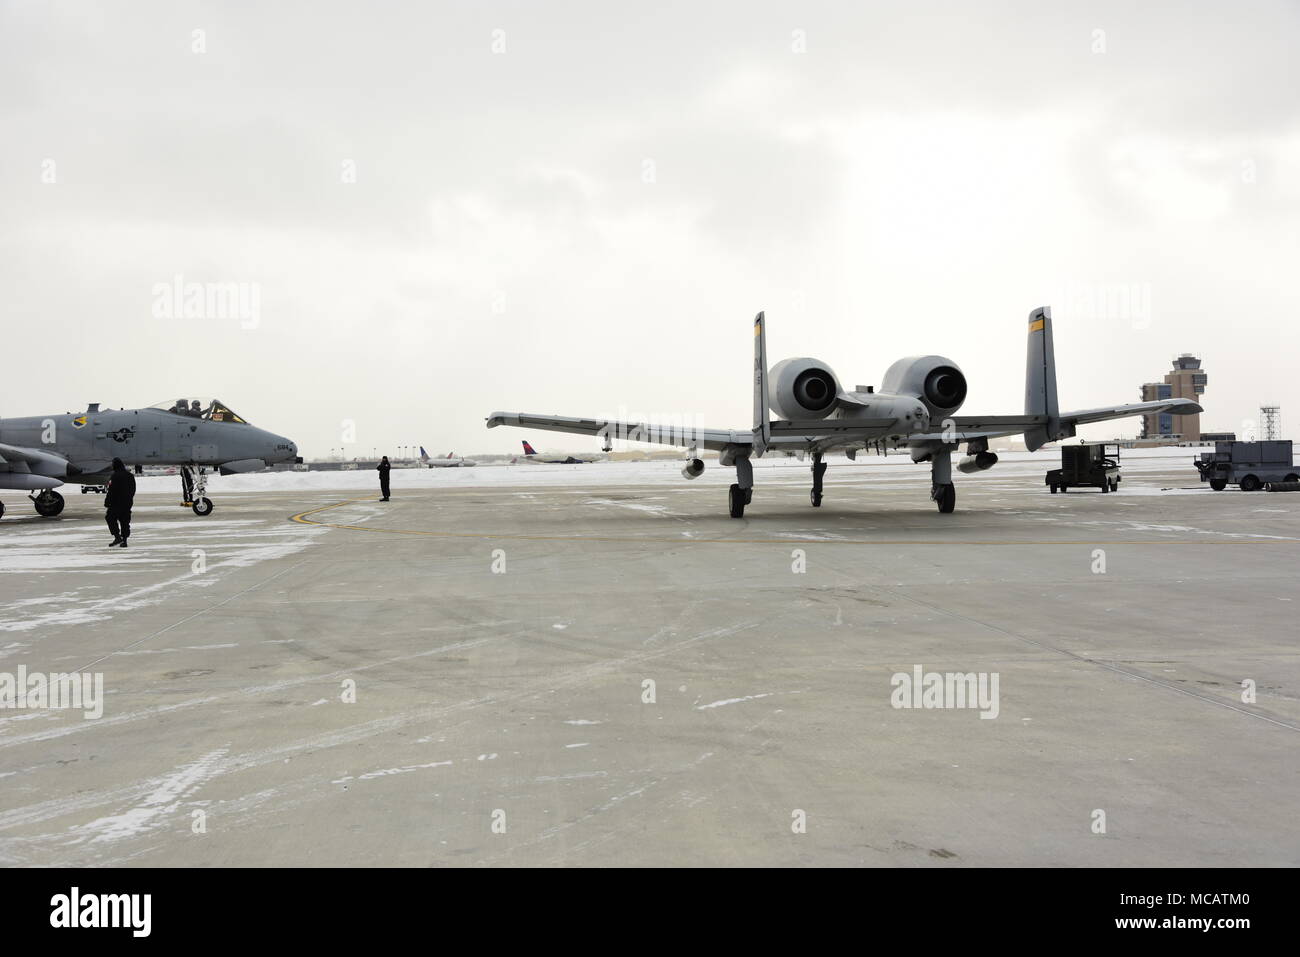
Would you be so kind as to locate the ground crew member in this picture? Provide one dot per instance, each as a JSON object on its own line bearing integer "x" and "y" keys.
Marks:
{"x": 383, "y": 476}
{"x": 117, "y": 503}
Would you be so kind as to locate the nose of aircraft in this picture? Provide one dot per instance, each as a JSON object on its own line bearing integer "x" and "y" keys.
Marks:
{"x": 281, "y": 449}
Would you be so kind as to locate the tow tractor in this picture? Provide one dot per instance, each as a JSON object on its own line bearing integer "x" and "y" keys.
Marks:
{"x": 1249, "y": 465}
{"x": 1087, "y": 465}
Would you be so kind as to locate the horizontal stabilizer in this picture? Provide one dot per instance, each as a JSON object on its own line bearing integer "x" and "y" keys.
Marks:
{"x": 1172, "y": 406}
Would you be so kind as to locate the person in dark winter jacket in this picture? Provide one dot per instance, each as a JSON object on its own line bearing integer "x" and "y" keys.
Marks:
{"x": 383, "y": 476}
{"x": 117, "y": 503}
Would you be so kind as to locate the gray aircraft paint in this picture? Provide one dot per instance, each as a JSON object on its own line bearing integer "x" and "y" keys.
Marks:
{"x": 40, "y": 453}
{"x": 916, "y": 409}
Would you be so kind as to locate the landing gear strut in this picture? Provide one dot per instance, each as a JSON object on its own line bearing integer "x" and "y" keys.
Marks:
{"x": 742, "y": 493}
{"x": 192, "y": 488}
{"x": 48, "y": 503}
{"x": 818, "y": 470}
{"x": 942, "y": 491}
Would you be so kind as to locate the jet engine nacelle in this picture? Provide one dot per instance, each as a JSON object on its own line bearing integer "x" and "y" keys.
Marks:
{"x": 802, "y": 389}
{"x": 936, "y": 381}
{"x": 693, "y": 469}
{"x": 977, "y": 462}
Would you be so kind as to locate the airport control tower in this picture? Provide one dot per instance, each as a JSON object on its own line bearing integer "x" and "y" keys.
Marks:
{"x": 1186, "y": 381}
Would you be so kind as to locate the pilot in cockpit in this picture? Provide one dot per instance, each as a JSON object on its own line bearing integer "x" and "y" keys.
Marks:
{"x": 179, "y": 408}
{"x": 196, "y": 409}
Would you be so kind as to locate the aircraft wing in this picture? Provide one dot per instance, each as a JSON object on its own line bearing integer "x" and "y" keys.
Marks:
{"x": 789, "y": 434}
{"x": 829, "y": 433}
{"x": 678, "y": 435}
{"x": 848, "y": 430}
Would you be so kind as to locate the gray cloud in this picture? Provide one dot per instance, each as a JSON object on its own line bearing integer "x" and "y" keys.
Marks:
{"x": 916, "y": 179}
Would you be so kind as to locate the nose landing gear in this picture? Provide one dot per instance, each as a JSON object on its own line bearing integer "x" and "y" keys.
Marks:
{"x": 194, "y": 482}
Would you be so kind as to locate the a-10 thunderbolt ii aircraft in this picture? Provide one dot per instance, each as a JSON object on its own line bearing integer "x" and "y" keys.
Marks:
{"x": 40, "y": 453}
{"x": 915, "y": 409}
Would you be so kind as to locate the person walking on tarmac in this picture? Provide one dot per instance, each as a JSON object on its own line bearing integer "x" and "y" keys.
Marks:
{"x": 383, "y": 476}
{"x": 117, "y": 503}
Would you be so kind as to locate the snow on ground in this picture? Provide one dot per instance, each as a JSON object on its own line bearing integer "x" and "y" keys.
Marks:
{"x": 83, "y": 580}
{"x": 896, "y": 467}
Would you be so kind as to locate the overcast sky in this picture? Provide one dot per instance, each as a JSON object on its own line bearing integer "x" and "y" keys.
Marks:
{"x": 439, "y": 210}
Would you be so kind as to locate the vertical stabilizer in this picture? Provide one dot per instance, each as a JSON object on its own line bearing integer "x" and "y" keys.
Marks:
{"x": 1040, "y": 380}
{"x": 762, "y": 423}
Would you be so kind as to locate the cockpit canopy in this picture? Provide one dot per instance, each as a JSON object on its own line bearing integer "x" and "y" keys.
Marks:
{"x": 211, "y": 410}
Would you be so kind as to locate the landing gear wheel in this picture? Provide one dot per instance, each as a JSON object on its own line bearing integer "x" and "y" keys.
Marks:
{"x": 202, "y": 507}
{"x": 1250, "y": 484}
{"x": 1053, "y": 489}
{"x": 818, "y": 473}
{"x": 1105, "y": 486}
{"x": 737, "y": 499}
{"x": 1218, "y": 484}
{"x": 48, "y": 503}
{"x": 1114, "y": 485}
{"x": 945, "y": 496}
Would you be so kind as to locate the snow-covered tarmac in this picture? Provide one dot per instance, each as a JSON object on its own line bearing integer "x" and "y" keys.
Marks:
{"x": 593, "y": 664}
{"x": 869, "y": 467}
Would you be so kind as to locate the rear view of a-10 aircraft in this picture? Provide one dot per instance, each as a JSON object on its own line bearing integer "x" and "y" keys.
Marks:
{"x": 915, "y": 409}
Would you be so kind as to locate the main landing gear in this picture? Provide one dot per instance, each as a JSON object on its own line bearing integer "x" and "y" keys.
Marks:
{"x": 818, "y": 470}
{"x": 945, "y": 496}
{"x": 942, "y": 492}
{"x": 194, "y": 483}
{"x": 737, "y": 499}
{"x": 48, "y": 503}
{"x": 742, "y": 492}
